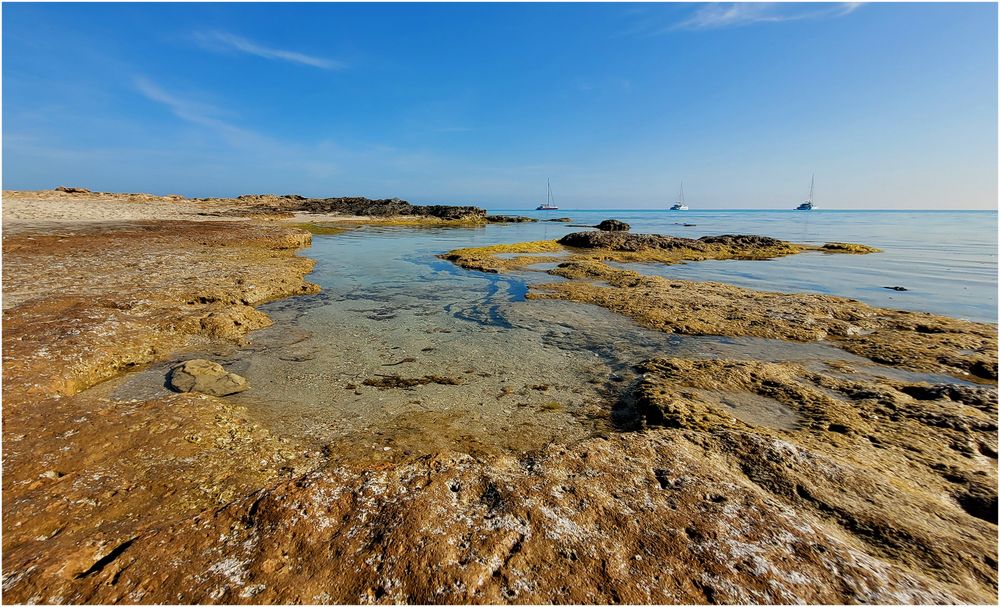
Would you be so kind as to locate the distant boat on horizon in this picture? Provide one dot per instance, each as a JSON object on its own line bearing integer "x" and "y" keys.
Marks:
{"x": 679, "y": 205}
{"x": 547, "y": 205}
{"x": 808, "y": 204}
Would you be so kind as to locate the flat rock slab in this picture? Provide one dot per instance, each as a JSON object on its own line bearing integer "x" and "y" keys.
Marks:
{"x": 207, "y": 377}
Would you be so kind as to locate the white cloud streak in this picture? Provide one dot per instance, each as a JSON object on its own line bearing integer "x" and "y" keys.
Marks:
{"x": 196, "y": 113}
{"x": 723, "y": 15}
{"x": 225, "y": 41}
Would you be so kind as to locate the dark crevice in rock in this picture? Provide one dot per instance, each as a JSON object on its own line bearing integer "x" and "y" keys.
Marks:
{"x": 107, "y": 559}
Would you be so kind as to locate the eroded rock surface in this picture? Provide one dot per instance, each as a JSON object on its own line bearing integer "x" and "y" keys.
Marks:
{"x": 623, "y": 246}
{"x": 912, "y": 477}
{"x": 834, "y": 487}
{"x": 914, "y": 340}
{"x": 86, "y": 475}
{"x": 644, "y": 518}
{"x": 731, "y": 245}
{"x": 207, "y": 377}
{"x": 85, "y": 303}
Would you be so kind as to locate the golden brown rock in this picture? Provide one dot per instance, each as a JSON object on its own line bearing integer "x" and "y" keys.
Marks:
{"x": 912, "y": 477}
{"x": 841, "y": 488}
{"x": 914, "y": 340}
{"x": 84, "y": 303}
{"x": 654, "y": 518}
{"x": 207, "y": 377}
{"x": 624, "y": 246}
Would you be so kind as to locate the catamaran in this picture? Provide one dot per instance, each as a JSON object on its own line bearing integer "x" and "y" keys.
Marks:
{"x": 679, "y": 205}
{"x": 548, "y": 204}
{"x": 808, "y": 205}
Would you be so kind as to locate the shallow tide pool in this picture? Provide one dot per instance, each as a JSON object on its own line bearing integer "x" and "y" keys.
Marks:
{"x": 403, "y": 352}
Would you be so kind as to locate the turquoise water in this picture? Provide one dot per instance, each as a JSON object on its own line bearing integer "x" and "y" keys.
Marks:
{"x": 946, "y": 259}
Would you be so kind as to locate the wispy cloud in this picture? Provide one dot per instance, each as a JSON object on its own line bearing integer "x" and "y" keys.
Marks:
{"x": 722, "y": 15}
{"x": 225, "y": 41}
{"x": 222, "y": 142}
{"x": 194, "y": 112}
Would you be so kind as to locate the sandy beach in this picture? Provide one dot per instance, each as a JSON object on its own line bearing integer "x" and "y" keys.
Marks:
{"x": 845, "y": 485}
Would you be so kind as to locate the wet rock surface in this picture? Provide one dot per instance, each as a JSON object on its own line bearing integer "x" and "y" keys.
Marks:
{"x": 162, "y": 284}
{"x": 485, "y": 259}
{"x": 206, "y": 377}
{"x": 509, "y": 219}
{"x": 386, "y": 382}
{"x": 618, "y": 239}
{"x": 849, "y": 247}
{"x": 613, "y": 225}
{"x": 623, "y": 247}
{"x": 912, "y": 340}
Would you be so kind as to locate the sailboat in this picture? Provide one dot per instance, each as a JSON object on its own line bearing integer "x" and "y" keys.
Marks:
{"x": 679, "y": 205}
{"x": 547, "y": 205}
{"x": 808, "y": 204}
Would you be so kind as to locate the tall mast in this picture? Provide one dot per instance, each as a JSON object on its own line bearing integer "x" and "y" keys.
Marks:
{"x": 548, "y": 192}
{"x": 682, "y": 192}
{"x": 811, "y": 184}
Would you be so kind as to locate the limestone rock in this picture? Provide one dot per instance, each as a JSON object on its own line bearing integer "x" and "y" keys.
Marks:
{"x": 207, "y": 377}
{"x": 234, "y": 322}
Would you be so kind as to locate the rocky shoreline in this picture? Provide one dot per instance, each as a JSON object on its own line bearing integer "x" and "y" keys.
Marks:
{"x": 845, "y": 486}
{"x": 67, "y": 204}
{"x": 258, "y": 205}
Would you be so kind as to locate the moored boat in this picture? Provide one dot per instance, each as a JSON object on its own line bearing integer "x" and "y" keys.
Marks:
{"x": 808, "y": 204}
{"x": 680, "y": 205}
{"x": 549, "y": 204}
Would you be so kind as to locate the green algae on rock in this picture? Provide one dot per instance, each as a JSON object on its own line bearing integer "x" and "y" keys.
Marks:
{"x": 849, "y": 247}
{"x": 323, "y": 228}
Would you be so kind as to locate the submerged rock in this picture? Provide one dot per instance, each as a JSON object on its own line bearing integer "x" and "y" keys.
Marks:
{"x": 207, "y": 377}
{"x": 613, "y": 225}
{"x": 386, "y": 382}
{"x": 561, "y": 219}
{"x": 509, "y": 219}
{"x": 849, "y": 247}
{"x": 896, "y": 288}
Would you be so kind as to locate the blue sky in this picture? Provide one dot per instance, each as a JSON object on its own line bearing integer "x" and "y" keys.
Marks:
{"x": 891, "y": 105}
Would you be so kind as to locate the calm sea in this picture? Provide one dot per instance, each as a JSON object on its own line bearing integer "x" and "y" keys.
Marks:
{"x": 947, "y": 260}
